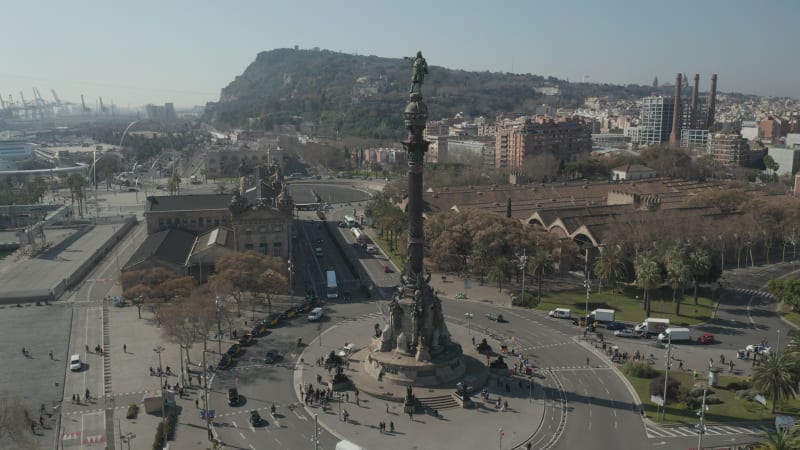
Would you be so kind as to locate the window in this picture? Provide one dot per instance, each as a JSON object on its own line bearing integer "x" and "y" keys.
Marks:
{"x": 277, "y": 227}
{"x": 248, "y": 246}
{"x": 264, "y": 247}
{"x": 277, "y": 248}
{"x": 200, "y": 221}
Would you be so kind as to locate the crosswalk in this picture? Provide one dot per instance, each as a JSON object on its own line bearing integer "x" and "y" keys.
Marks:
{"x": 755, "y": 293}
{"x": 654, "y": 432}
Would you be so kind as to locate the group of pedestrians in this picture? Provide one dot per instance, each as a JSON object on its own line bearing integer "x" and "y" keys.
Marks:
{"x": 382, "y": 426}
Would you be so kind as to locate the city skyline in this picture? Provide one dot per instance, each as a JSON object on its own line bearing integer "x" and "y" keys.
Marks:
{"x": 186, "y": 53}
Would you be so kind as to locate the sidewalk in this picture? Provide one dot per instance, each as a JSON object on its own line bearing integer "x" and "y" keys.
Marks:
{"x": 479, "y": 425}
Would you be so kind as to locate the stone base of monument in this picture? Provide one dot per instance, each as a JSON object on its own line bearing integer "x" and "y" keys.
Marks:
{"x": 464, "y": 403}
{"x": 441, "y": 369}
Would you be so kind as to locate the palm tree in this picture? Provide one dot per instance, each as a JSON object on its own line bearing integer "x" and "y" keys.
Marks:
{"x": 499, "y": 272}
{"x": 648, "y": 276}
{"x": 678, "y": 276}
{"x": 610, "y": 266}
{"x": 779, "y": 440}
{"x": 541, "y": 265}
{"x": 699, "y": 265}
{"x": 776, "y": 376}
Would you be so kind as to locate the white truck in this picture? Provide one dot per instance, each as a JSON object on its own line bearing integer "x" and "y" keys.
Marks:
{"x": 652, "y": 325}
{"x": 560, "y": 313}
{"x": 602, "y": 315}
{"x": 674, "y": 334}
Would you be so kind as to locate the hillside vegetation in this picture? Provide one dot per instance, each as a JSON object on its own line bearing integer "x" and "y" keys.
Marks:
{"x": 325, "y": 92}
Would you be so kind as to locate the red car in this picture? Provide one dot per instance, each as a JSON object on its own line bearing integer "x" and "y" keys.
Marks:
{"x": 387, "y": 269}
{"x": 707, "y": 338}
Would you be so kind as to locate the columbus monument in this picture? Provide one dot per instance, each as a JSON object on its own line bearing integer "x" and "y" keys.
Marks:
{"x": 415, "y": 347}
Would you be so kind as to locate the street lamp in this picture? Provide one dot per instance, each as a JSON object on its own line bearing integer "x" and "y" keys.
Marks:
{"x": 523, "y": 262}
{"x": 468, "y": 316}
{"x": 666, "y": 374}
{"x": 702, "y": 415}
{"x": 217, "y": 302}
{"x": 158, "y": 350}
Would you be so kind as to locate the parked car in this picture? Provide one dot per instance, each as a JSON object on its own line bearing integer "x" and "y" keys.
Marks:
{"x": 270, "y": 357}
{"x": 387, "y": 269}
{"x": 259, "y": 330}
{"x": 225, "y": 362}
{"x": 625, "y": 332}
{"x": 496, "y": 317}
{"x": 758, "y": 348}
{"x": 613, "y": 326}
{"x": 233, "y": 397}
{"x": 246, "y": 339}
{"x": 272, "y": 320}
{"x": 234, "y": 350}
{"x": 707, "y": 338}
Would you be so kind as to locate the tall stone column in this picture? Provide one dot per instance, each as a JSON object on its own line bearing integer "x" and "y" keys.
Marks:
{"x": 415, "y": 115}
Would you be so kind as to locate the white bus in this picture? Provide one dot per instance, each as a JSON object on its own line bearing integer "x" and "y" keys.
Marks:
{"x": 361, "y": 237}
{"x": 332, "y": 290}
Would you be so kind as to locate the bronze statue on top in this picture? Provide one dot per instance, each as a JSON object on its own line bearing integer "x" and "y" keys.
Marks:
{"x": 420, "y": 69}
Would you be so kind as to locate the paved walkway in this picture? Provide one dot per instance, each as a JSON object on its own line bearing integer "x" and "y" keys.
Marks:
{"x": 479, "y": 426}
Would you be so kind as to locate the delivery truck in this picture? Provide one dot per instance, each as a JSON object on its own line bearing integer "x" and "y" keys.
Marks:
{"x": 674, "y": 334}
{"x": 602, "y": 315}
{"x": 652, "y": 325}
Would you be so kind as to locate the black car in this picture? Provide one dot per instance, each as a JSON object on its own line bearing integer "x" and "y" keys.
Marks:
{"x": 246, "y": 339}
{"x": 271, "y": 357}
{"x": 225, "y": 362}
{"x": 233, "y": 397}
{"x": 234, "y": 350}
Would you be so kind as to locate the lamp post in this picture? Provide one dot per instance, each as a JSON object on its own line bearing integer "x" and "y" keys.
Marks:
{"x": 587, "y": 282}
{"x": 523, "y": 262}
{"x": 217, "y": 302}
{"x": 468, "y": 316}
{"x": 158, "y": 350}
{"x": 666, "y": 374}
{"x": 702, "y": 430}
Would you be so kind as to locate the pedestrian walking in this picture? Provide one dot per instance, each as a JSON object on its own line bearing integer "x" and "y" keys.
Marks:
{"x": 51, "y": 355}
{"x": 730, "y": 363}
{"x": 387, "y": 407}
{"x": 473, "y": 340}
{"x": 197, "y": 403}
{"x": 42, "y": 409}
{"x": 380, "y": 427}
{"x": 680, "y": 364}
{"x": 391, "y": 426}
{"x": 347, "y": 397}
{"x": 722, "y": 359}
{"x": 87, "y": 395}
{"x": 125, "y": 348}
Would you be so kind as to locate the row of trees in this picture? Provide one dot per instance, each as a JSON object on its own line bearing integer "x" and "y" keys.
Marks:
{"x": 187, "y": 311}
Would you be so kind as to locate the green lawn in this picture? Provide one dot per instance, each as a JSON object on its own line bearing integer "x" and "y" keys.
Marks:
{"x": 629, "y": 309}
{"x": 788, "y": 314}
{"x": 732, "y": 408}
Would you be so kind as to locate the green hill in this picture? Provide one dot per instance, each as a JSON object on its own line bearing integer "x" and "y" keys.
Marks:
{"x": 364, "y": 95}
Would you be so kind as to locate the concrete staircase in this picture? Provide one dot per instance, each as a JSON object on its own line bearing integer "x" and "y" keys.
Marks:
{"x": 438, "y": 402}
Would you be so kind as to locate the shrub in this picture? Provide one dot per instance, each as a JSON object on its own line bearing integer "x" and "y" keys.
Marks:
{"x": 673, "y": 388}
{"x": 698, "y": 392}
{"x": 158, "y": 442}
{"x": 133, "y": 410}
{"x": 739, "y": 385}
{"x": 640, "y": 370}
{"x": 172, "y": 420}
{"x": 746, "y": 394}
{"x": 713, "y": 400}
{"x": 693, "y": 403}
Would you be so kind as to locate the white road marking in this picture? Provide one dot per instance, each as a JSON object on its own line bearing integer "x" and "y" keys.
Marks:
{"x": 234, "y": 424}
{"x": 242, "y": 435}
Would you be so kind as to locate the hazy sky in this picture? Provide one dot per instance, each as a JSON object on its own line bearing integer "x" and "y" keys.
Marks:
{"x": 144, "y": 51}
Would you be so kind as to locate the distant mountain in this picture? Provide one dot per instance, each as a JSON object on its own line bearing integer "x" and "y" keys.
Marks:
{"x": 364, "y": 95}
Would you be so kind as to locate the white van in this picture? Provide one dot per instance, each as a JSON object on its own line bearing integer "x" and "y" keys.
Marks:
{"x": 318, "y": 251}
{"x": 316, "y": 314}
{"x": 560, "y": 313}
{"x": 371, "y": 248}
